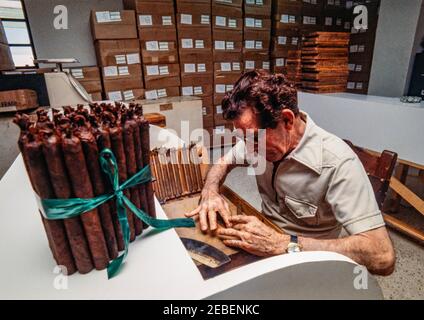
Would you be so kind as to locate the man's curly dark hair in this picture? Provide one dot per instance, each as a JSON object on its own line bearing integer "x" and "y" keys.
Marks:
{"x": 267, "y": 93}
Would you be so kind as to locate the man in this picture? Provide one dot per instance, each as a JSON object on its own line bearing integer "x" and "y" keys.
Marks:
{"x": 314, "y": 186}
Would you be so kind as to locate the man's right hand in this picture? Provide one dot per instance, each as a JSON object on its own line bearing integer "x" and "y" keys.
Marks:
{"x": 211, "y": 203}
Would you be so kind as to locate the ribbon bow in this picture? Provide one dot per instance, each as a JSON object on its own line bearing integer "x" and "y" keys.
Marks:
{"x": 55, "y": 209}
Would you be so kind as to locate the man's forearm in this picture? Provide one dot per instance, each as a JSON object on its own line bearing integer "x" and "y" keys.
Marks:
{"x": 216, "y": 176}
{"x": 366, "y": 249}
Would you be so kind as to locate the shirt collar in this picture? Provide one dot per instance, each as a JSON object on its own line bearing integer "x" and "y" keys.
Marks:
{"x": 309, "y": 150}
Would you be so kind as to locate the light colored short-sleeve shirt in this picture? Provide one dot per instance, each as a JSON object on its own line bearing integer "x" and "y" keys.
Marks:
{"x": 319, "y": 188}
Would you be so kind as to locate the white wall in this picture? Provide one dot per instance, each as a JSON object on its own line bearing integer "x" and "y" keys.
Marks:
{"x": 395, "y": 38}
{"x": 76, "y": 42}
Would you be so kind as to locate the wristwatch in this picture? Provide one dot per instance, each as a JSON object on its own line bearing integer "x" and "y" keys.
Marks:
{"x": 293, "y": 245}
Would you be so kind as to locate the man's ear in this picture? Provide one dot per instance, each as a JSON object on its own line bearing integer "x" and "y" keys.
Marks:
{"x": 287, "y": 117}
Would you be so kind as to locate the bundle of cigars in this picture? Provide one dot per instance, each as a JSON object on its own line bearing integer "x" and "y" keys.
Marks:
{"x": 178, "y": 172}
{"x": 61, "y": 154}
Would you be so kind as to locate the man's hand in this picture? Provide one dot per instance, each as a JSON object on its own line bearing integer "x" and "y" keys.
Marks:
{"x": 253, "y": 236}
{"x": 211, "y": 203}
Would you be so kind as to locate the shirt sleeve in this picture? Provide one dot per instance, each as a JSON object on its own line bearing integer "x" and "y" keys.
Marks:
{"x": 352, "y": 198}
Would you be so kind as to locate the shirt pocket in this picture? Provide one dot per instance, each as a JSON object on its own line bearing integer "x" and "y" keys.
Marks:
{"x": 302, "y": 209}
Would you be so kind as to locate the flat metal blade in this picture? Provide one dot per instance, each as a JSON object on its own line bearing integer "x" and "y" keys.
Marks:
{"x": 205, "y": 253}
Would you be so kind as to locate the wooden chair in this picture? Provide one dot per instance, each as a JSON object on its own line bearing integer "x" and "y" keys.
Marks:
{"x": 379, "y": 168}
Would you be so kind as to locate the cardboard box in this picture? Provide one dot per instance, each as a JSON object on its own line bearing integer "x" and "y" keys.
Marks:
{"x": 122, "y": 84}
{"x": 195, "y": 42}
{"x": 278, "y": 65}
{"x": 117, "y": 52}
{"x": 227, "y": 45}
{"x": 3, "y": 38}
{"x": 162, "y": 76}
{"x": 96, "y": 96}
{"x": 234, "y": 68}
{"x": 196, "y": 68}
{"x": 286, "y": 21}
{"x": 257, "y": 24}
{"x": 207, "y": 110}
{"x": 227, "y": 3}
{"x": 21, "y": 99}
{"x": 208, "y": 121}
{"x": 223, "y": 84}
{"x": 154, "y": 52}
{"x": 225, "y": 21}
{"x": 314, "y": 7}
{"x": 153, "y": 15}
{"x": 84, "y": 73}
{"x": 255, "y": 8}
{"x": 256, "y": 41}
{"x": 203, "y": 80}
{"x": 137, "y": 5}
{"x": 92, "y": 85}
{"x": 204, "y": 91}
{"x": 125, "y": 95}
{"x": 158, "y": 34}
{"x": 293, "y": 7}
{"x": 193, "y": 14}
{"x": 113, "y": 25}
{"x": 264, "y": 64}
{"x": 285, "y": 40}
{"x": 122, "y": 72}
{"x": 6, "y": 60}
{"x": 163, "y": 92}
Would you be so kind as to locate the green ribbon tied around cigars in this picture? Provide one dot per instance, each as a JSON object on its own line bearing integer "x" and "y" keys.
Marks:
{"x": 55, "y": 209}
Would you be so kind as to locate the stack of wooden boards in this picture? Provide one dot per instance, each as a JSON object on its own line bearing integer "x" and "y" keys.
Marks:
{"x": 325, "y": 62}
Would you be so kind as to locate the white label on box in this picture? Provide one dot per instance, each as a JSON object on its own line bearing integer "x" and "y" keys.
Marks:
{"x": 151, "y": 94}
{"x": 111, "y": 71}
{"x": 358, "y": 68}
{"x": 349, "y": 4}
{"x": 121, "y": 59}
{"x": 204, "y": 111}
{"x": 347, "y": 25}
{"x": 199, "y": 44}
{"x": 250, "y": 1}
{"x": 152, "y": 70}
{"x": 249, "y": 22}
{"x": 229, "y": 45}
{"x": 265, "y": 65}
{"x": 219, "y": 45}
{"x": 292, "y": 19}
{"x": 205, "y": 19}
{"x": 337, "y": 2}
{"x": 103, "y": 16}
{"x": 166, "y": 20}
{"x": 236, "y": 66}
{"x": 115, "y": 95}
{"x": 189, "y": 67}
{"x": 187, "y": 91}
{"x": 353, "y": 48}
{"x": 258, "y": 23}
{"x": 284, "y": 18}
{"x": 123, "y": 71}
{"x": 248, "y": 64}
{"x": 163, "y": 46}
{"x": 229, "y": 87}
{"x": 187, "y": 43}
{"x": 339, "y": 21}
{"x": 219, "y": 130}
{"x": 152, "y": 45}
{"x": 115, "y": 16}
{"x": 198, "y": 90}
{"x": 225, "y": 66}
{"x": 218, "y": 109}
{"x": 351, "y": 85}
{"x": 351, "y": 66}
{"x": 361, "y": 48}
{"x": 328, "y": 21}
{"x": 249, "y": 44}
{"x": 330, "y": 2}
{"x": 232, "y": 23}
{"x": 220, "y": 21}
{"x": 163, "y": 70}
{"x": 145, "y": 20}
{"x": 282, "y": 40}
{"x": 295, "y": 41}
{"x": 133, "y": 58}
{"x": 279, "y": 62}
{"x": 186, "y": 18}
{"x": 128, "y": 95}
{"x": 259, "y": 2}
{"x": 162, "y": 93}
{"x": 258, "y": 45}
{"x": 77, "y": 73}
{"x": 220, "y": 88}
{"x": 359, "y": 85}
{"x": 201, "y": 67}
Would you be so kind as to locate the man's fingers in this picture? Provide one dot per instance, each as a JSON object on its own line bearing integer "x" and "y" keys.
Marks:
{"x": 230, "y": 232}
{"x": 194, "y": 212}
{"x": 226, "y": 214}
{"x": 203, "y": 220}
{"x": 238, "y": 244}
{"x": 212, "y": 220}
{"x": 240, "y": 219}
{"x": 240, "y": 226}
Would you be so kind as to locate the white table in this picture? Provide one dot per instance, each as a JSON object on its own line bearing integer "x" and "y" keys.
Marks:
{"x": 157, "y": 267}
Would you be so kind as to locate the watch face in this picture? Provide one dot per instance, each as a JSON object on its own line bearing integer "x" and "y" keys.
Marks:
{"x": 293, "y": 247}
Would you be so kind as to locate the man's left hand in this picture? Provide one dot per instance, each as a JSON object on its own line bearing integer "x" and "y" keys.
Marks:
{"x": 254, "y": 236}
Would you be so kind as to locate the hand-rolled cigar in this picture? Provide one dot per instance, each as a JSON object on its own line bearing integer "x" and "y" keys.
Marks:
{"x": 171, "y": 172}
{"x": 196, "y": 161}
{"x": 61, "y": 186}
{"x": 82, "y": 188}
{"x": 192, "y": 170}
{"x": 164, "y": 167}
{"x": 128, "y": 135}
{"x": 161, "y": 177}
{"x": 182, "y": 175}
{"x": 185, "y": 160}
{"x": 103, "y": 141}
{"x": 145, "y": 143}
{"x": 36, "y": 167}
{"x": 174, "y": 165}
{"x": 91, "y": 154}
{"x": 155, "y": 173}
{"x": 118, "y": 149}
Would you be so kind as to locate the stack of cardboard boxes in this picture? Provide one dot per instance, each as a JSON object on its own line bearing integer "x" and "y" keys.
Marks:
{"x": 158, "y": 40}
{"x": 227, "y": 34}
{"x": 195, "y": 51}
{"x": 118, "y": 54}
{"x": 6, "y": 61}
{"x": 256, "y": 34}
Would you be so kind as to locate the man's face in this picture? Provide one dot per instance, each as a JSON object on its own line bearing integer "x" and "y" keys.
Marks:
{"x": 276, "y": 140}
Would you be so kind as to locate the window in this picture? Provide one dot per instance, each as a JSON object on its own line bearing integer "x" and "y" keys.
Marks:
{"x": 13, "y": 17}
